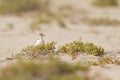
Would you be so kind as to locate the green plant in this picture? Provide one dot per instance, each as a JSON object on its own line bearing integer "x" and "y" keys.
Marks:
{"x": 48, "y": 47}
{"x": 90, "y": 48}
{"x": 28, "y": 48}
{"x": 74, "y": 47}
{"x": 26, "y": 51}
{"x": 31, "y": 51}
{"x": 104, "y": 3}
{"x": 15, "y": 6}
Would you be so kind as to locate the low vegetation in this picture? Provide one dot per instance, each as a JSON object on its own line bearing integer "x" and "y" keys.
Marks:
{"x": 101, "y": 21}
{"x": 17, "y": 6}
{"x": 40, "y": 70}
{"x": 48, "y": 17}
{"x": 73, "y": 48}
{"x": 49, "y": 47}
{"x": 35, "y": 52}
{"x": 53, "y": 68}
{"x": 103, "y": 61}
{"x": 105, "y": 3}
{"x": 42, "y": 7}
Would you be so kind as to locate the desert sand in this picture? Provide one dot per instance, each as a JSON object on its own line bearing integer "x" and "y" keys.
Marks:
{"x": 13, "y": 40}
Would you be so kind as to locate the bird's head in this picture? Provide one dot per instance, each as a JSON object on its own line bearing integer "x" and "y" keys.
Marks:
{"x": 41, "y": 34}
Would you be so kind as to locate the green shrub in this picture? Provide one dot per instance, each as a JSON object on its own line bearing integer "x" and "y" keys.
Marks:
{"x": 44, "y": 49}
{"x": 49, "y": 46}
{"x": 90, "y": 48}
{"x": 28, "y": 48}
{"x": 78, "y": 46}
{"x": 15, "y": 6}
{"x": 71, "y": 48}
{"x": 104, "y": 3}
{"x": 50, "y": 70}
{"x": 26, "y": 52}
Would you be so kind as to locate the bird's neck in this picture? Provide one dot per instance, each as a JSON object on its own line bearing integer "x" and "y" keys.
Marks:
{"x": 42, "y": 39}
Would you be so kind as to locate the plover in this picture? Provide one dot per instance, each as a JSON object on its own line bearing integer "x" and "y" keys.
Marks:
{"x": 38, "y": 43}
{"x": 40, "y": 40}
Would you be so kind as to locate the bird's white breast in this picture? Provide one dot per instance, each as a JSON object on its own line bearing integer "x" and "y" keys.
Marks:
{"x": 38, "y": 42}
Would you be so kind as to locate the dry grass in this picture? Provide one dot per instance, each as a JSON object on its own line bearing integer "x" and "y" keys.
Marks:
{"x": 105, "y": 3}
{"x": 17, "y": 6}
{"x": 100, "y": 21}
{"x": 39, "y": 70}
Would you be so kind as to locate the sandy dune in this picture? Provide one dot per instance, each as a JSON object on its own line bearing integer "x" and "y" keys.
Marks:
{"x": 12, "y": 41}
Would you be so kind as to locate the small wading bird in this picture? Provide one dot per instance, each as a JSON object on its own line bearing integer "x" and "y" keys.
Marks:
{"x": 39, "y": 42}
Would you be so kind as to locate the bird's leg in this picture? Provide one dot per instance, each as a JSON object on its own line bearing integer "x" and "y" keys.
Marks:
{"x": 42, "y": 40}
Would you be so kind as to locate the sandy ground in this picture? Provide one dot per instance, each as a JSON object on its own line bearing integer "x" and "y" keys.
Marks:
{"x": 12, "y": 41}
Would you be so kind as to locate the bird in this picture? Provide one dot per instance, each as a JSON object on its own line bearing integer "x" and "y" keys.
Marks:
{"x": 40, "y": 40}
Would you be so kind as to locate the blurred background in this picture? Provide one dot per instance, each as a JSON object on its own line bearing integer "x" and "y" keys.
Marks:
{"x": 96, "y": 21}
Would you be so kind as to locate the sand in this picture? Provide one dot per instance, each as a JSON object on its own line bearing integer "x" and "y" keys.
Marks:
{"x": 13, "y": 40}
